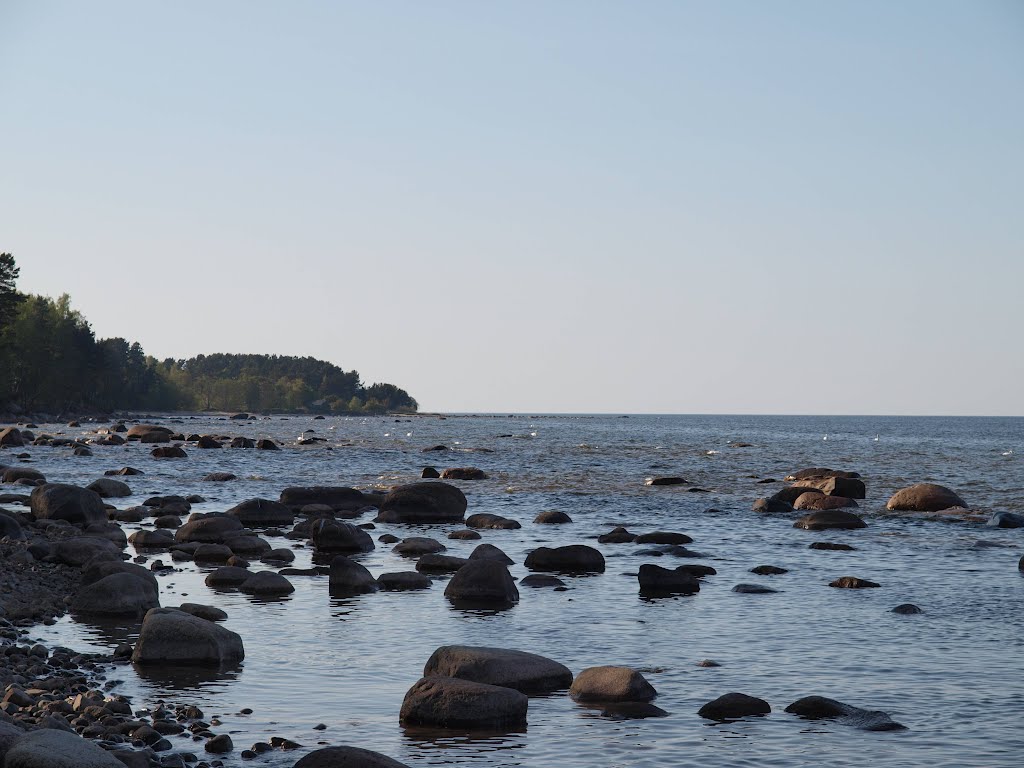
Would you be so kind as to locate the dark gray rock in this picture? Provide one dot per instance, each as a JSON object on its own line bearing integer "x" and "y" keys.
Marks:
{"x": 347, "y": 577}
{"x": 575, "y": 558}
{"x": 434, "y": 502}
{"x": 449, "y": 702}
{"x": 483, "y": 582}
{"x": 655, "y": 580}
{"x": 55, "y": 501}
{"x": 733, "y": 706}
{"x": 525, "y": 672}
{"x": 119, "y": 594}
{"x": 552, "y": 517}
{"x": 170, "y": 636}
{"x": 262, "y": 513}
{"x": 347, "y": 757}
{"x": 827, "y": 520}
{"x": 818, "y": 707}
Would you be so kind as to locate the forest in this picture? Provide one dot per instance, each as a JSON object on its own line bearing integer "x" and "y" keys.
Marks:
{"x": 50, "y": 360}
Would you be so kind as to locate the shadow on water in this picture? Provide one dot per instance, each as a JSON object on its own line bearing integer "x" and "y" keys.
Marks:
{"x": 480, "y": 608}
{"x": 622, "y": 710}
{"x": 170, "y": 677}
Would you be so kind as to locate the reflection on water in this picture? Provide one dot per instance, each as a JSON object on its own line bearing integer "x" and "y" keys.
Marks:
{"x": 624, "y": 710}
{"x": 109, "y": 631}
{"x": 182, "y": 678}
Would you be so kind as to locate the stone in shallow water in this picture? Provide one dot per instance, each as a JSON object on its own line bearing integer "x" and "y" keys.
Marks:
{"x": 768, "y": 570}
{"x": 753, "y": 589}
{"x": 347, "y": 757}
{"x": 852, "y": 582}
{"x": 525, "y": 672}
{"x": 924, "y": 497}
{"x": 906, "y": 609}
{"x": 403, "y": 581}
{"x": 449, "y": 702}
{"x": 734, "y": 706}
{"x": 817, "y": 707}
{"x": 610, "y": 683}
{"x": 831, "y": 519}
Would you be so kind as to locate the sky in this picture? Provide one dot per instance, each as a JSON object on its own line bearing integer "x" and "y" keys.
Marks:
{"x": 574, "y": 206}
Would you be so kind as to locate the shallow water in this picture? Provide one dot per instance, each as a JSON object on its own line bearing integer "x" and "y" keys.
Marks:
{"x": 951, "y": 674}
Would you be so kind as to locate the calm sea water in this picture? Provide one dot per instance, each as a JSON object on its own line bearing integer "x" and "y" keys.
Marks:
{"x": 953, "y": 674}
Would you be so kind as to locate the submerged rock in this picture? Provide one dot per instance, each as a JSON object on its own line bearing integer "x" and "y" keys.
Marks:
{"x": 852, "y": 582}
{"x": 552, "y": 517}
{"x": 496, "y": 522}
{"x": 618, "y": 535}
{"x": 337, "y": 536}
{"x": 414, "y": 546}
{"x": 449, "y": 702}
{"x": 663, "y": 537}
{"x": 654, "y": 481}
{"x": 403, "y": 581}
{"x": 831, "y": 546}
{"x": 817, "y": 707}
{"x": 347, "y": 757}
{"x": 463, "y": 473}
{"x": 768, "y": 570}
{"x": 753, "y": 589}
{"x": 525, "y": 672}
{"x": 906, "y": 609}
{"x": 539, "y": 580}
{"x": 819, "y": 501}
{"x": 832, "y": 519}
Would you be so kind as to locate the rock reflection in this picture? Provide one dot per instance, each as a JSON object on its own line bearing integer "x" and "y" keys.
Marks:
{"x": 480, "y": 608}
{"x": 181, "y": 678}
{"x": 623, "y": 710}
{"x": 109, "y": 630}
{"x": 427, "y": 739}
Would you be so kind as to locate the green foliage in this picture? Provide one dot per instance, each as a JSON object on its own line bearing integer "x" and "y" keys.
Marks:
{"x": 50, "y": 359}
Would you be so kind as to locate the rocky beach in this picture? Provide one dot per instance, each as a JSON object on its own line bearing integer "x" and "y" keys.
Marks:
{"x": 196, "y": 590}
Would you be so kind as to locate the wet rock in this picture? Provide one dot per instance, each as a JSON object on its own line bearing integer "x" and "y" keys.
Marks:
{"x": 529, "y": 673}
{"x": 279, "y": 556}
{"x": 819, "y": 501}
{"x": 95, "y": 571}
{"x": 243, "y": 442}
{"x": 228, "y": 576}
{"x": 79, "y": 550}
{"x": 663, "y": 537}
{"x": 436, "y": 449}
{"x": 753, "y": 589}
{"x": 664, "y": 481}
{"x": 158, "y": 539}
{"x": 906, "y": 609}
{"x": 708, "y": 663}
{"x": 220, "y": 477}
{"x": 25, "y": 475}
{"x": 262, "y": 513}
{"x": 124, "y": 471}
{"x": 611, "y": 684}
{"x": 772, "y": 506}
{"x": 430, "y": 473}
{"x": 831, "y": 546}
{"x": 10, "y": 527}
{"x": 348, "y": 577}
{"x": 449, "y": 702}
{"x": 733, "y": 706}
{"x": 768, "y": 570}
{"x": 792, "y": 493}
{"x": 490, "y": 552}
{"x": 79, "y": 506}
{"x": 337, "y": 536}
{"x": 414, "y": 546}
{"x": 169, "y": 452}
{"x": 848, "y": 487}
{"x": 483, "y": 582}
{"x": 486, "y": 520}
{"x": 539, "y": 580}
{"x": 575, "y": 558}
{"x": 11, "y": 437}
{"x": 139, "y": 431}
{"x": 817, "y": 707}
{"x": 220, "y": 744}
{"x": 852, "y": 582}
{"x": 403, "y": 581}
{"x": 655, "y": 580}
{"x": 337, "y": 497}
{"x": 832, "y": 519}
{"x": 109, "y": 489}
{"x": 214, "y": 529}
{"x": 170, "y": 636}
{"x": 463, "y": 473}
{"x": 552, "y": 517}
{"x": 264, "y": 583}
{"x": 618, "y": 535}
{"x": 819, "y": 473}
{"x": 49, "y": 748}
{"x": 440, "y": 563}
{"x": 924, "y": 497}
{"x": 252, "y": 546}
{"x": 347, "y": 757}
{"x": 119, "y": 594}
{"x": 464, "y": 535}
{"x": 208, "y": 612}
{"x": 696, "y": 570}
{"x": 265, "y": 444}
{"x": 1006, "y": 520}
{"x": 434, "y": 502}
{"x": 212, "y": 553}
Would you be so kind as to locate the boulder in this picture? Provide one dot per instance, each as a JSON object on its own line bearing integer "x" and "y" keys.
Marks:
{"x": 617, "y": 535}
{"x": 430, "y": 473}
{"x": 821, "y": 502}
{"x": 792, "y": 493}
{"x": 139, "y": 431}
{"x": 575, "y": 558}
{"x": 852, "y": 582}
{"x": 124, "y": 472}
{"x": 93, "y": 572}
{"x": 487, "y": 520}
{"x": 266, "y": 583}
{"x": 169, "y": 452}
{"x": 214, "y": 529}
{"x": 768, "y": 570}
{"x": 347, "y": 577}
{"x": 10, "y": 527}
{"x": 818, "y": 707}
{"x": 414, "y": 546}
{"x": 664, "y": 481}
{"x": 464, "y": 535}
{"x": 482, "y": 582}
{"x": 52, "y": 748}
{"x": 212, "y": 553}
{"x": 906, "y": 609}
{"x": 1006, "y": 520}
{"x": 228, "y": 576}
{"x": 525, "y": 672}
{"x": 849, "y": 487}
{"x": 819, "y": 473}
{"x": 110, "y": 489}
{"x": 541, "y": 580}
{"x": 611, "y": 684}
{"x": 79, "y": 550}
{"x": 772, "y": 506}
{"x": 663, "y": 581}
{"x": 208, "y": 612}
{"x": 733, "y": 706}
{"x": 220, "y": 477}
{"x": 158, "y": 539}
{"x": 924, "y": 497}
{"x": 265, "y": 444}
{"x": 403, "y": 581}
{"x": 11, "y": 437}
{"x": 552, "y": 517}
{"x": 243, "y": 442}
{"x": 490, "y": 552}
{"x": 831, "y": 519}
{"x": 170, "y": 636}
{"x": 119, "y": 594}
{"x": 463, "y": 473}
{"x": 347, "y": 757}
{"x": 663, "y": 537}
{"x": 435, "y": 502}
{"x": 437, "y": 563}
{"x": 336, "y": 497}
{"x": 55, "y": 501}
{"x": 23, "y": 475}
{"x": 831, "y": 546}
{"x": 252, "y": 546}
{"x": 449, "y": 702}
{"x": 753, "y": 589}
{"x": 336, "y": 536}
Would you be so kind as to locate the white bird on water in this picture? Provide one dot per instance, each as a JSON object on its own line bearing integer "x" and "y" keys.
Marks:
{"x": 825, "y": 437}
{"x": 876, "y": 438}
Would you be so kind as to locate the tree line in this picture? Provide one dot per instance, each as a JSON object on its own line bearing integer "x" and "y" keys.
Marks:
{"x": 51, "y": 360}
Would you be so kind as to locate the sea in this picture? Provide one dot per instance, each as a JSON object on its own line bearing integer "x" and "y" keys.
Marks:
{"x": 953, "y": 674}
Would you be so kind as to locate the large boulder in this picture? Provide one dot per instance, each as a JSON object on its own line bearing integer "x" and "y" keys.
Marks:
{"x": 575, "y": 558}
{"x": 228, "y": 576}
{"x": 924, "y": 497}
{"x": 215, "y": 529}
{"x": 79, "y": 550}
{"x": 552, "y": 517}
{"x": 490, "y": 552}
{"x": 347, "y": 757}
{"x": 23, "y": 474}
{"x": 110, "y": 489}
{"x": 52, "y": 748}
{"x": 438, "y": 563}
{"x": 262, "y": 513}
{"x": 655, "y": 580}
{"x": 169, "y": 452}
{"x": 266, "y": 584}
{"x": 1006, "y": 520}
{"x": 11, "y": 437}
{"x": 93, "y": 572}
{"x": 119, "y": 594}
{"x": 819, "y": 473}
{"x": 817, "y": 707}
{"x": 487, "y": 520}
{"x": 336, "y": 497}
{"x": 140, "y": 431}
{"x": 850, "y": 487}
{"x": 611, "y": 684}
{"x": 821, "y": 502}
{"x": 347, "y": 577}
{"x": 449, "y": 702}
{"x": 10, "y": 527}
{"x": 158, "y": 539}
{"x": 463, "y": 473}
{"x": 526, "y": 672}
{"x": 831, "y": 519}
{"x": 482, "y": 582}
{"x": 733, "y": 706}
{"x": 170, "y": 636}
{"x": 414, "y": 546}
{"x": 55, "y": 501}
{"x": 336, "y": 536}
{"x": 423, "y": 503}
{"x": 790, "y": 494}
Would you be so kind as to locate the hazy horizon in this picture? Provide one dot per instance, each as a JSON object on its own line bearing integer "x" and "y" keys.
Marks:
{"x": 584, "y": 207}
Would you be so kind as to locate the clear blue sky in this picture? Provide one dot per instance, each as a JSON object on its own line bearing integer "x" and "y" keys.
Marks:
{"x": 726, "y": 207}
